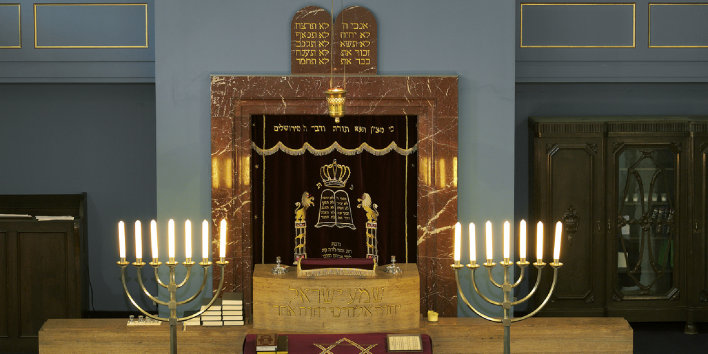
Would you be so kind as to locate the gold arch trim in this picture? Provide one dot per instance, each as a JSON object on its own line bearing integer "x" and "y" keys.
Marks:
{"x": 306, "y": 147}
{"x": 36, "y": 45}
{"x": 634, "y": 25}
{"x": 19, "y": 28}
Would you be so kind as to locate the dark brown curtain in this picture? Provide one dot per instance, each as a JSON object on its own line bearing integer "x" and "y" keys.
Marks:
{"x": 294, "y": 155}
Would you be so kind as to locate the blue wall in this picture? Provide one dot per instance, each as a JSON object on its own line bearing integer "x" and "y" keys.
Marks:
{"x": 99, "y": 139}
{"x": 473, "y": 39}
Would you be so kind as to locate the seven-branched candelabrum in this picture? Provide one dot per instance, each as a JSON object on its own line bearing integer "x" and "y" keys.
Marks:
{"x": 172, "y": 284}
{"x": 507, "y": 285}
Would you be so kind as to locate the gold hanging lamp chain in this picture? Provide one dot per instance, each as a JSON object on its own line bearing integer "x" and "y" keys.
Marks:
{"x": 336, "y": 96}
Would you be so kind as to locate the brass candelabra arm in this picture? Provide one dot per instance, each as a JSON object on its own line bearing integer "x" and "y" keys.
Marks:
{"x": 548, "y": 297}
{"x": 157, "y": 276}
{"x": 125, "y": 288}
{"x": 538, "y": 266}
{"x": 464, "y": 299}
{"x": 522, "y": 270}
{"x": 187, "y": 264}
{"x": 489, "y": 267}
{"x": 476, "y": 289}
{"x": 201, "y": 287}
{"x": 216, "y": 296}
{"x": 145, "y": 290}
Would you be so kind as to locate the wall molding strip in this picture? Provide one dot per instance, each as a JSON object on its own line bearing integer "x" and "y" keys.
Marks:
{"x": 107, "y": 46}
{"x": 19, "y": 27}
{"x": 657, "y": 5}
{"x": 580, "y": 45}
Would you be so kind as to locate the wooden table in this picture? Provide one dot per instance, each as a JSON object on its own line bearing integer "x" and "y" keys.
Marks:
{"x": 450, "y": 335}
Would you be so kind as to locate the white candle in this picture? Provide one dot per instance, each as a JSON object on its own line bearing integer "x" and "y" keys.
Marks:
{"x": 222, "y": 238}
{"x": 458, "y": 236}
{"x": 557, "y": 244}
{"x": 473, "y": 245}
{"x": 138, "y": 241}
{"x": 507, "y": 240}
{"x": 121, "y": 239}
{"x": 539, "y": 242}
{"x": 153, "y": 239}
{"x": 522, "y": 239}
{"x": 205, "y": 240}
{"x": 171, "y": 239}
{"x": 187, "y": 239}
{"x": 488, "y": 235}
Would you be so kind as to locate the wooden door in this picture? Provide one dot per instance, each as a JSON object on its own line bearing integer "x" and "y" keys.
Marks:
{"x": 40, "y": 267}
{"x": 698, "y": 279}
{"x": 568, "y": 186}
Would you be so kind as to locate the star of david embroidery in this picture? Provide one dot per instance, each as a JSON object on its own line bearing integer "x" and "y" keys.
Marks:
{"x": 328, "y": 350}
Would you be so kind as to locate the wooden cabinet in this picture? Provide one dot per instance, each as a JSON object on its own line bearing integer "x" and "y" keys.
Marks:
{"x": 41, "y": 265}
{"x": 631, "y": 192}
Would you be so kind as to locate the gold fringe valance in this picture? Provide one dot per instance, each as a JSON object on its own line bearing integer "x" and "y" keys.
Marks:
{"x": 335, "y": 146}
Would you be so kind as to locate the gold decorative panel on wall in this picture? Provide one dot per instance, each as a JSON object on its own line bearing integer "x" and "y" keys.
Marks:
{"x": 91, "y": 25}
{"x": 577, "y": 25}
{"x": 678, "y": 25}
{"x": 10, "y": 26}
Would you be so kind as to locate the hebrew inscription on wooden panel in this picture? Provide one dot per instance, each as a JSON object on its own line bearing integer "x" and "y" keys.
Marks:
{"x": 310, "y": 36}
{"x": 349, "y": 46}
{"x": 355, "y": 41}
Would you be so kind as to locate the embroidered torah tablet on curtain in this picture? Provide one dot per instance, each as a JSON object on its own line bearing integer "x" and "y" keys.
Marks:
{"x": 326, "y": 190}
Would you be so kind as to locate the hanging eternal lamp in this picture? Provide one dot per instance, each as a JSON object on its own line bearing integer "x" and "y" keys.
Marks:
{"x": 335, "y": 101}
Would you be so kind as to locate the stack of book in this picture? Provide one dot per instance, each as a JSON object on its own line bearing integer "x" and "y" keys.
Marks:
{"x": 212, "y": 316}
{"x": 232, "y": 309}
{"x": 272, "y": 343}
{"x": 196, "y": 321}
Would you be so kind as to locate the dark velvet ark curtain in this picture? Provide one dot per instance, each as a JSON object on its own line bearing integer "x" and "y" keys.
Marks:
{"x": 322, "y": 172}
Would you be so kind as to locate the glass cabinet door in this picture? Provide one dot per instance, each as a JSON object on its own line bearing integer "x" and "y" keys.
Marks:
{"x": 646, "y": 229}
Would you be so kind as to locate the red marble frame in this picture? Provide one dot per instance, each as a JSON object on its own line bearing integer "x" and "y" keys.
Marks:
{"x": 433, "y": 99}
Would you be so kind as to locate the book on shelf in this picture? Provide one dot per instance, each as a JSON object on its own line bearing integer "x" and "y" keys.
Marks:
{"x": 211, "y": 318}
{"x": 234, "y": 323}
{"x": 216, "y": 306}
{"x": 212, "y": 308}
{"x": 231, "y": 313}
{"x": 231, "y": 307}
{"x": 193, "y": 322}
{"x": 232, "y": 318}
{"x": 232, "y": 299}
{"x": 212, "y": 323}
{"x": 282, "y": 346}
{"x": 266, "y": 342}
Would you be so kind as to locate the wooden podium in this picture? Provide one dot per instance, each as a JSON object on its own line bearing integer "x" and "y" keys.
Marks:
{"x": 336, "y": 304}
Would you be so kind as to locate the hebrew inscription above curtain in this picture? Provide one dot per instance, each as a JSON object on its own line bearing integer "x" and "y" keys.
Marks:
{"x": 326, "y": 190}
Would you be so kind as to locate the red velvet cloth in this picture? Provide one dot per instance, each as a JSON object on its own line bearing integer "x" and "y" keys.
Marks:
{"x": 348, "y": 343}
{"x": 318, "y": 263}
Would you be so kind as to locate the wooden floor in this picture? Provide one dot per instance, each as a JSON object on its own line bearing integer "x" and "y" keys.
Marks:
{"x": 450, "y": 335}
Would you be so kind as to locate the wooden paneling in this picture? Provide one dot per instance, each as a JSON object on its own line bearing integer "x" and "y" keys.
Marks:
{"x": 43, "y": 279}
{"x": 449, "y": 335}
